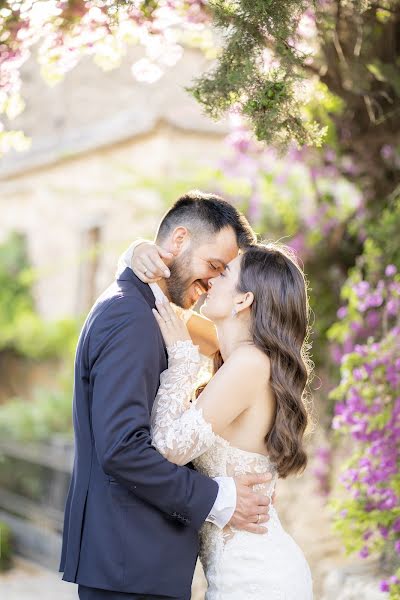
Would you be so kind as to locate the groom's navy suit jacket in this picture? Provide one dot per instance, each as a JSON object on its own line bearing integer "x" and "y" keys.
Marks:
{"x": 131, "y": 517}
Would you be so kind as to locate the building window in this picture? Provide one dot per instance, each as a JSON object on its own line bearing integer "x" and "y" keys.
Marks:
{"x": 88, "y": 267}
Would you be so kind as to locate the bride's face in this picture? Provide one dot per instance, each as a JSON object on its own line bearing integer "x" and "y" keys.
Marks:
{"x": 222, "y": 293}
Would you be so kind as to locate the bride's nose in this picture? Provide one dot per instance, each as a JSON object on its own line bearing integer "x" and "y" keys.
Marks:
{"x": 210, "y": 283}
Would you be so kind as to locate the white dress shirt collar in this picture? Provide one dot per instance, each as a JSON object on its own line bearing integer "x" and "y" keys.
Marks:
{"x": 157, "y": 291}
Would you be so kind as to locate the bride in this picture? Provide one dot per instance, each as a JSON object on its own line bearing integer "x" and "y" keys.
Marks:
{"x": 250, "y": 417}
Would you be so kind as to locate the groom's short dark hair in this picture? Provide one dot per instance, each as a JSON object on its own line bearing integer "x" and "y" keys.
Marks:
{"x": 203, "y": 214}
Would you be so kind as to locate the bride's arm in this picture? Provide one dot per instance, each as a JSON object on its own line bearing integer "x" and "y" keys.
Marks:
{"x": 177, "y": 430}
{"x": 150, "y": 256}
{"x": 183, "y": 428}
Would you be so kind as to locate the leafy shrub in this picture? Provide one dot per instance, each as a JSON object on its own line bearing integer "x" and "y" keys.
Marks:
{"x": 5, "y": 546}
{"x": 367, "y": 413}
{"x": 22, "y": 330}
{"x": 48, "y": 413}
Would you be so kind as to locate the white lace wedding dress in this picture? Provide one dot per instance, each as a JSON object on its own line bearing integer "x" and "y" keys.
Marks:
{"x": 238, "y": 565}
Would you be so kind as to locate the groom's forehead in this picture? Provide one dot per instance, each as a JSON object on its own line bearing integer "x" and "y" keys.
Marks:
{"x": 221, "y": 246}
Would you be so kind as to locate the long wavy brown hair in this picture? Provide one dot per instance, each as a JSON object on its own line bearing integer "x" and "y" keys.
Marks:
{"x": 279, "y": 327}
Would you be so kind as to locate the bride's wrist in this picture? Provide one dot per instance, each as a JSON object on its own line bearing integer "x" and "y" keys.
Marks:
{"x": 125, "y": 259}
{"x": 137, "y": 243}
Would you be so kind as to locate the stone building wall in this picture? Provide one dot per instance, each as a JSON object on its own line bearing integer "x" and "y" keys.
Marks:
{"x": 57, "y": 207}
{"x": 102, "y": 146}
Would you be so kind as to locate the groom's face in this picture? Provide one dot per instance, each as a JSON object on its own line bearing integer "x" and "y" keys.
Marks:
{"x": 197, "y": 263}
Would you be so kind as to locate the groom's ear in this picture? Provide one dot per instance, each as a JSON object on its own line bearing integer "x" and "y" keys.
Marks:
{"x": 179, "y": 239}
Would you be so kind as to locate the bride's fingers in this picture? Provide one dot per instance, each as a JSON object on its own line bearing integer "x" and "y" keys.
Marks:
{"x": 139, "y": 268}
{"x": 170, "y": 311}
{"x": 168, "y": 317}
{"x": 150, "y": 268}
{"x": 161, "y": 307}
{"x": 158, "y": 267}
{"x": 159, "y": 320}
{"x": 166, "y": 311}
{"x": 151, "y": 257}
{"x": 164, "y": 253}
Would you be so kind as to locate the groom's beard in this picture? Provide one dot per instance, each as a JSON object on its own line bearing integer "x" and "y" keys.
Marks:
{"x": 178, "y": 283}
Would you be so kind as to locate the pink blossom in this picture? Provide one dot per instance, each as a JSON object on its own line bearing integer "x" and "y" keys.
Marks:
{"x": 387, "y": 151}
{"x": 146, "y": 71}
{"x": 384, "y": 586}
{"x": 390, "y": 270}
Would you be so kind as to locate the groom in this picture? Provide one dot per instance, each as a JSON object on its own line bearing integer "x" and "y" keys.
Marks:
{"x": 131, "y": 517}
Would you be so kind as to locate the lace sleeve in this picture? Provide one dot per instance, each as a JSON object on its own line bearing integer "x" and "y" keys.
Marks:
{"x": 179, "y": 430}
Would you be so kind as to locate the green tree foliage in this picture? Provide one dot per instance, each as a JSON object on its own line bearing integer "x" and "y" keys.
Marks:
{"x": 359, "y": 61}
{"x": 240, "y": 79}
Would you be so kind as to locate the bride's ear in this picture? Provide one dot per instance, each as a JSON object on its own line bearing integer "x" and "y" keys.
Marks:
{"x": 245, "y": 301}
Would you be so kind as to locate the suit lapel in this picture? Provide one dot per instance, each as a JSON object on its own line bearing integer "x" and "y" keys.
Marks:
{"x": 145, "y": 290}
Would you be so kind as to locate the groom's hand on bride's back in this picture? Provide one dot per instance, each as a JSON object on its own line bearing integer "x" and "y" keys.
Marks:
{"x": 148, "y": 262}
{"x": 252, "y": 507}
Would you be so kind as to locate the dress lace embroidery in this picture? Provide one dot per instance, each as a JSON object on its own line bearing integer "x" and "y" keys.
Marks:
{"x": 179, "y": 430}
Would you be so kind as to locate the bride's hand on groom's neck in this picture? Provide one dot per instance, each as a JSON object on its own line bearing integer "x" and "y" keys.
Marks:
{"x": 150, "y": 262}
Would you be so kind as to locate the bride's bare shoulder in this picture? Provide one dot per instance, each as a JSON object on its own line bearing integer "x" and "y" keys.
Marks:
{"x": 252, "y": 359}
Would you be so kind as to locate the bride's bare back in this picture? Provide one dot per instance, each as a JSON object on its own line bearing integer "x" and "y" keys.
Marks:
{"x": 249, "y": 429}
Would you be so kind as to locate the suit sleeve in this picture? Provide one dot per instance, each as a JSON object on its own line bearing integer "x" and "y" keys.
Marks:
{"x": 124, "y": 377}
